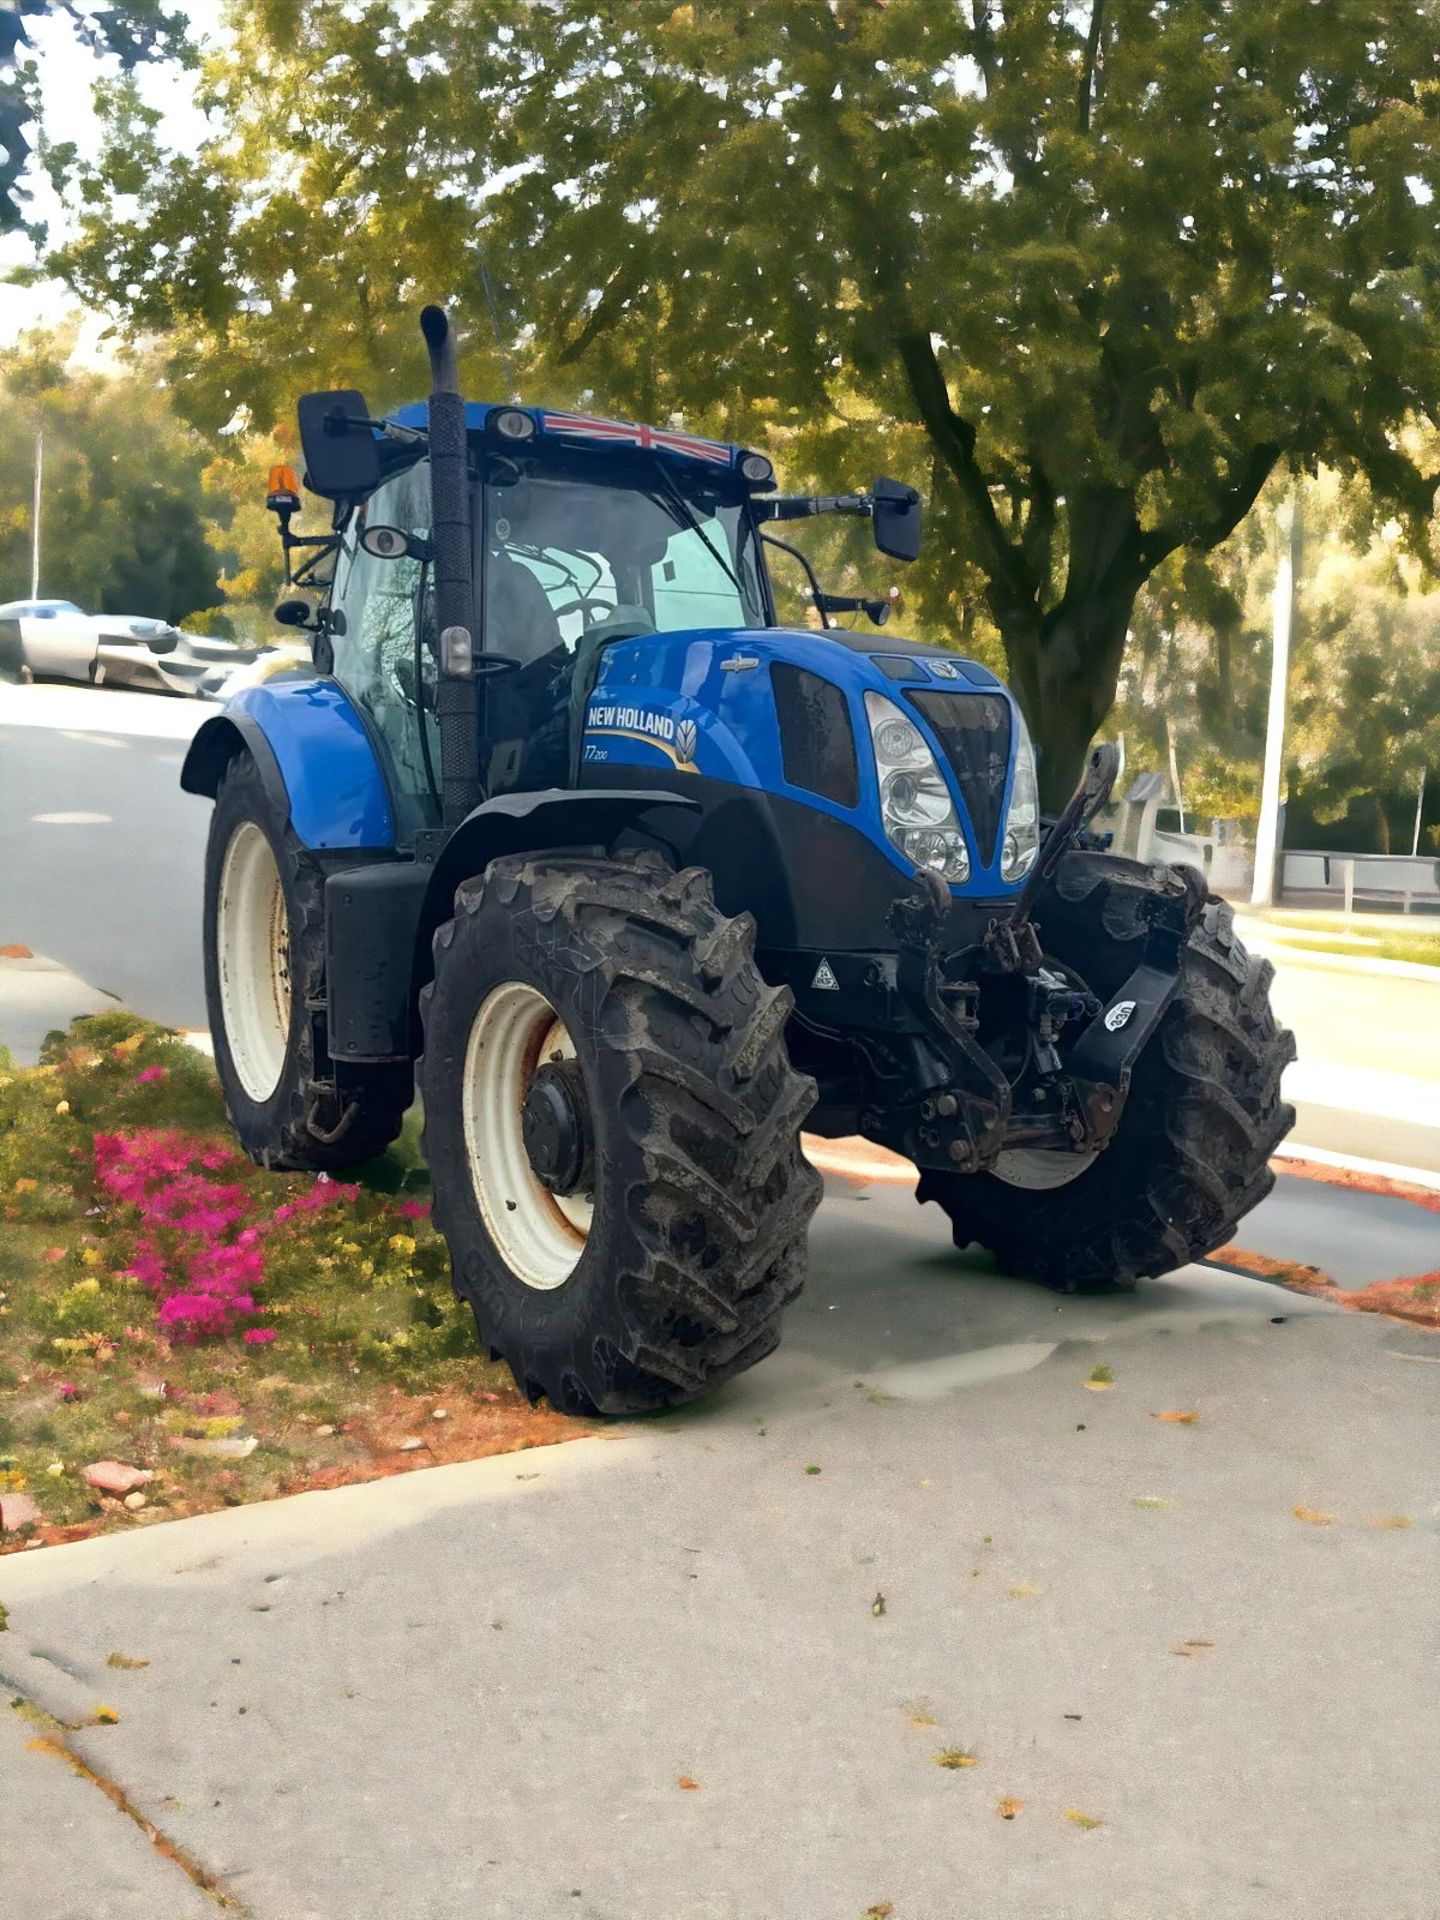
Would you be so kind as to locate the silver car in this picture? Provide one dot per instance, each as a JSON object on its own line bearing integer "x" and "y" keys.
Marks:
{"x": 55, "y": 639}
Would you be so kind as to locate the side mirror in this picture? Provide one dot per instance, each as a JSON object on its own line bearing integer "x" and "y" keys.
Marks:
{"x": 896, "y": 516}
{"x": 393, "y": 543}
{"x": 294, "y": 613}
{"x": 342, "y": 457}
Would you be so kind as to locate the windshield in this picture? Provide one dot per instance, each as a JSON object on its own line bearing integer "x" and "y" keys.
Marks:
{"x": 571, "y": 547}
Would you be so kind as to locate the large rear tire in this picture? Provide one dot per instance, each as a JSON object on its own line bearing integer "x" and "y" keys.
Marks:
{"x": 1190, "y": 1156}
{"x": 264, "y": 946}
{"x": 606, "y": 1005}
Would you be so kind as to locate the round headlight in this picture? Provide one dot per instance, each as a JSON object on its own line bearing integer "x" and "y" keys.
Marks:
{"x": 757, "y": 470}
{"x": 511, "y": 424}
{"x": 896, "y": 740}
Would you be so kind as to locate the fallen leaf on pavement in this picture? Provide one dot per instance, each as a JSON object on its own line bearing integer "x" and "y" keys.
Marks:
{"x": 1100, "y": 1379}
{"x": 689, "y": 1785}
{"x": 1190, "y": 1646}
{"x": 1390, "y": 1522}
{"x": 1022, "y": 1593}
{"x": 1078, "y": 1819}
{"x": 1009, "y": 1807}
{"x": 1179, "y": 1419}
{"x": 881, "y": 1910}
{"x": 16, "y": 952}
{"x": 812, "y": 1469}
{"x": 953, "y": 1758}
{"x": 919, "y": 1716}
{"x": 125, "y": 1661}
{"x": 877, "y": 1605}
{"x": 106, "y": 1717}
{"x": 1146, "y": 1500}
{"x": 1312, "y": 1518}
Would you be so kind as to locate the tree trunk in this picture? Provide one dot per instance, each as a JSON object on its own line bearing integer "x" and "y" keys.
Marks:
{"x": 1064, "y": 668}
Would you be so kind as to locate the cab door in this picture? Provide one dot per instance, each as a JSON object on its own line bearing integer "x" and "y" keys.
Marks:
{"x": 374, "y": 611}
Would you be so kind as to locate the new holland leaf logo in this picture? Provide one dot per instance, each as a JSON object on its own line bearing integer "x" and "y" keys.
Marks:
{"x": 685, "y": 740}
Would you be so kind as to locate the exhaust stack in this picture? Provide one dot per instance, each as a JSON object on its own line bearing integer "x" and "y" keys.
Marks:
{"x": 455, "y": 699}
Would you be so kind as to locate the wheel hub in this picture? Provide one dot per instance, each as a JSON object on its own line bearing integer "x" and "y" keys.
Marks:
{"x": 555, "y": 1126}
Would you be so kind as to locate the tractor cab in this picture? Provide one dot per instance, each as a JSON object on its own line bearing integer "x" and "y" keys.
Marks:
{"x": 582, "y": 532}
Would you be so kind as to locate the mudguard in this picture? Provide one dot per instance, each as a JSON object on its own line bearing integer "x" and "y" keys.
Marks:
{"x": 315, "y": 755}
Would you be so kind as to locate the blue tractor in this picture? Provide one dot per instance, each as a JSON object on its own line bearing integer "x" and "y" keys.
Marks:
{"x": 642, "y": 883}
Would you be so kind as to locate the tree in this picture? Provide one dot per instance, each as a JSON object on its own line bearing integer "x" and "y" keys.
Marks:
{"x": 1364, "y": 720}
{"x": 132, "y": 30}
{"x": 1102, "y": 267}
{"x": 123, "y": 505}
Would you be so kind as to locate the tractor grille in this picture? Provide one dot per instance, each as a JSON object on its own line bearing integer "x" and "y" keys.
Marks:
{"x": 974, "y": 731}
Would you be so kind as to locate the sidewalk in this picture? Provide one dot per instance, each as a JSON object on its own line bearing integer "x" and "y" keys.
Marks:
{"x": 677, "y": 1671}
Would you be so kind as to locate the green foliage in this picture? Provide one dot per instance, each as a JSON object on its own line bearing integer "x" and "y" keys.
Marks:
{"x": 139, "y": 514}
{"x": 122, "y": 523}
{"x": 1364, "y": 712}
{"x": 1098, "y": 269}
{"x": 131, "y": 30}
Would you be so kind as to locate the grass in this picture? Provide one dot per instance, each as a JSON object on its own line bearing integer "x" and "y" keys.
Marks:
{"x": 361, "y": 1343}
{"x": 1370, "y": 936}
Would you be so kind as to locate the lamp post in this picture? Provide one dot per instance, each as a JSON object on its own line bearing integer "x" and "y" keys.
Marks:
{"x": 35, "y": 515}
{"x": 1267, "y": 835}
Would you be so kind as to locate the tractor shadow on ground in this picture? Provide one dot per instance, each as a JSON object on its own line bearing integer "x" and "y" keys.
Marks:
{"x": 891, "y": 1307}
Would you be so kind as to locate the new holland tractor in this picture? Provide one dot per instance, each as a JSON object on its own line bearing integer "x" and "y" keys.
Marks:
{"x": 641, "y": 883}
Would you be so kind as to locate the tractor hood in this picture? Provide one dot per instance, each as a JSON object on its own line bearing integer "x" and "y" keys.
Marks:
{"x": 810, "y": 717}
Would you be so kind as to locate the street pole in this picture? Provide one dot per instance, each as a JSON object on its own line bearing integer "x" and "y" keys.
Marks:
{"x": 1419, "y": 812}
{"x": 35, "y": 516}
{"x": 1267, "y": 836}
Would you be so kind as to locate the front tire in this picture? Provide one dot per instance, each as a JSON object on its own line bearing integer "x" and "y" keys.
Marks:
{"x": 1191, "y": 1154}
{"x": 264, "y": 941}
{"x": 606, "y": 1005}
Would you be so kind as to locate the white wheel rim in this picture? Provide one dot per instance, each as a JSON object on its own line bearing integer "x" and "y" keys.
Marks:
{"x": 540, "y": 1235}
{"x": 252, "y": 942}
{"x": 1040, "y": 1169}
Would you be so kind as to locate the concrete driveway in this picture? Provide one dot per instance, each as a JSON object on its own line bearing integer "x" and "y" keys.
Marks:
{"x": 482, "y": 1690}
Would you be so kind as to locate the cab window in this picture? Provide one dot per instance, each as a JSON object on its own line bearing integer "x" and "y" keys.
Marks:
{"x": 379, "y": 602}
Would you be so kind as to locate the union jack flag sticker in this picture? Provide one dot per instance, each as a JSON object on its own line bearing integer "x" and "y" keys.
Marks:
{"x": 624, "y": 433}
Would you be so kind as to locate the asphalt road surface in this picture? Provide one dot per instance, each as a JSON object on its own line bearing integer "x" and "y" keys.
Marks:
{"x": 101, "y": 854}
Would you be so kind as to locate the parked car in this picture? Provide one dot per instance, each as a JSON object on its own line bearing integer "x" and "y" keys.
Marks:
{"x": 55, "y": 639}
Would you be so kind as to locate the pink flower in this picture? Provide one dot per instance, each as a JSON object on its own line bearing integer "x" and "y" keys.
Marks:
{"x": 258, "y": 1336}
{"x": 414, "y": 1210}
{"x": 68, "y": 1391}
{"x": 151, "y": 1075}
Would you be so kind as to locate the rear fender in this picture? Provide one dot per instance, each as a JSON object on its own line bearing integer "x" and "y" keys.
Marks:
{"x": 315, "y": 756}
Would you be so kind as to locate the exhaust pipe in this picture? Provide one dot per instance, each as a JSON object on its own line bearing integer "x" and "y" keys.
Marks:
{"x": 455, "y": 699}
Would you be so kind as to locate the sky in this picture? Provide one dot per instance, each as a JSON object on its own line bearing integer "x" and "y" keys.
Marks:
{"x": 67, "y": 75}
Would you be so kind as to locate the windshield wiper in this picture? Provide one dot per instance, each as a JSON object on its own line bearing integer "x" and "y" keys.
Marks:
{"x": 677, "y": 502}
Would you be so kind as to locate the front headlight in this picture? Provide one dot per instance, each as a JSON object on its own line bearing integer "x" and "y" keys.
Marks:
{"x": 916, "y": 809}
{"x": 1021, "y": 841}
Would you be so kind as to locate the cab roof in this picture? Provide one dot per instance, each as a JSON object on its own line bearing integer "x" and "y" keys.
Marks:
{"x": 591, "y": 430}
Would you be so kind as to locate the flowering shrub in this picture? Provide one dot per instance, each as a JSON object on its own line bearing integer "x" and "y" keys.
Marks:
{"x": 160, "y": 1293}
{"x": 198, "y": 1246}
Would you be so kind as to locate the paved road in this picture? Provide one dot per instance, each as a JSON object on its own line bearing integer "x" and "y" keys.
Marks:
{"x": 100, "y": 852}
{"x": 477, "y": 1691}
